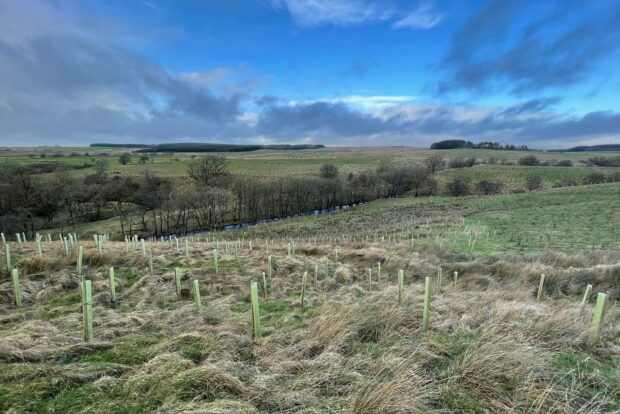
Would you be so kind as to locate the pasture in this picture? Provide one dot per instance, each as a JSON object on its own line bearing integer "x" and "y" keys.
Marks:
{"x": 398, "y": 305}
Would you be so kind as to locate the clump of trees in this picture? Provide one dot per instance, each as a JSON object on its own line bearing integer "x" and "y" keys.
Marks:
{"x": 206, "y": 169}
{"x": 48, "y": 195}
{"x": 460, "y": 143}
{"x": 605, "y": 161}
{"x": 529, "y": 160}
{"x": 328, "y": 171}
{"x": 125, "y": 158}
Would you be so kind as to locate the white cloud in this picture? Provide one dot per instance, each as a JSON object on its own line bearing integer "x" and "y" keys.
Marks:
{"x": 356, "y": 12}
{"x": 366, "y": 103}
{"x": 421, "y": 18}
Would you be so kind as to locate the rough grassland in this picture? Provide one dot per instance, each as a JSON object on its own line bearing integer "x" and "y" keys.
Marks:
{"x": 269, "y": 163}
{"x": 564, "y": 219}
{"x": 491, "y": 346}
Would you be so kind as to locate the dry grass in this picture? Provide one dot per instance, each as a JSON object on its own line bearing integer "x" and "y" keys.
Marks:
{"x": 491, "y": 347}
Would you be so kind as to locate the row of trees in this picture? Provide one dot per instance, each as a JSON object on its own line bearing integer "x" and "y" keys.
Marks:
{"x": 461, "y": 143}
{"x": 208, "y": 198}
{"x": 52, "y": 196}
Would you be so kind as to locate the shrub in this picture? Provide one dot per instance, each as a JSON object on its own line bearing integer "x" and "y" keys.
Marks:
{"x": 565, "y": 163}
{"x": 533, "y": 182}
{"x": 458, "y": 187}
{"x": 595, "y": 178}
{"x": 125, "y": 158}
{"x": 328, "y": 171}
{"x": 461, "y": 162}
{"x": 528, "y": 160}
{"x": 489, "y": 187}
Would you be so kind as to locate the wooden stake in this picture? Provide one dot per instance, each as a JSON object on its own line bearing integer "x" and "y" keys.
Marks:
{"x": 427, "y": 299}
{"x": 540, "y": 287}
{"x": 87, "y": 310}
{"x": 79, "y": 261}
{"x": 586, "y": 296}
{"x": 215, "y": 262}
{"x": 597, "y": 320}
{"x": 16, "y": 289}
{"x": 401, "y": 285}
{"x": 197, "y": 298}
{"x": 255, "y": 311}
{"x": 303, "y": 288}
{"x": 7, "y": 250}
{"x": 177, "y": 281}
{"x": 112, "y": 285}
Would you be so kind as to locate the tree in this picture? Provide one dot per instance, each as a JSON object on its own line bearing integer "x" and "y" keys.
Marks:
{"x": 533, "y": 182}
{"x": 143, "y": 159}
{"x": 528, "y": 160}
{"x": 328, "y": 171}
{"x": 125, "y": 158}
{"x": 421, "y": 182}
{"x": 434, "y": 163}
{"x": 458, "y": 187}
{"x": 102, "y": 167}
{"x": 206, "y": 168}
{"x": 489, "y": 187}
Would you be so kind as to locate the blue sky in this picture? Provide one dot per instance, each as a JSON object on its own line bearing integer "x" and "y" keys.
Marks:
{"x": 336, "y": 72}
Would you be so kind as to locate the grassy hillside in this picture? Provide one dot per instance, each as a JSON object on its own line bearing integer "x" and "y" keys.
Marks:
{"x": 491, "y": 346}
{"x": 302, "y": 162}
{"x": 515, "y": 176}
{"x": 564, "y": 219}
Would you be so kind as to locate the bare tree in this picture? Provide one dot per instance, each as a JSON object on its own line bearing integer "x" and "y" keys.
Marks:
{"x": 434, "y": 163}
{"x": 125, "y": 158}
{"x": 328, "y": 171}
{"x": 206, "y": 168}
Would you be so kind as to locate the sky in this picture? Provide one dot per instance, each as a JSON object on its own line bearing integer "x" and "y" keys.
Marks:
{"x": 541, "y": 73}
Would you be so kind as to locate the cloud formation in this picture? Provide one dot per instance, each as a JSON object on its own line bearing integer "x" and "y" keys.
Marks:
{"x": 356, "y": 12}
{"x": 559, "y": 47}
{"x": 62, "y": 84}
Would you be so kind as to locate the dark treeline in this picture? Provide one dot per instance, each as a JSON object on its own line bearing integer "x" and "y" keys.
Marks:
{"x": 51, "y": 196}
{"x": 208, "y": 198}
{"x": 460, "y": 143}
{"x": 202, "y": 147}
{"x": 592, "y": 148}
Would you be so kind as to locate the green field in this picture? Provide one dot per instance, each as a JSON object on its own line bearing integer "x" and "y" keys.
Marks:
{"x": 515, "y": 176}
{"x": 356, "y": 342}
{"x": 565, "y": 219}
{"x": 274, "y": 163}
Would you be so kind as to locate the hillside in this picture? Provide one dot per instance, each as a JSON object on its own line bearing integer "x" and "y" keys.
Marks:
{"x": 491, "y": 345}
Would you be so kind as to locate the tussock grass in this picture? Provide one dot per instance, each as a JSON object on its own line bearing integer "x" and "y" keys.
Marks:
{"x": 491, "y": 346}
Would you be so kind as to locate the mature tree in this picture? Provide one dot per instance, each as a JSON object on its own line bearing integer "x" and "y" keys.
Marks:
{"x": 421, "y": 182}
{"x": 121, "y": 190}
{"x": 206, "y": 168}
{"x": 528, "y": 160}
{"x": 533, "y": 182}
{"x": 125, "y": 158}
{"x": 434, "y": 163}
{"x": 458, "y": 187}
{"x": 489, "y": 187}
{"x": 328, "y": 171}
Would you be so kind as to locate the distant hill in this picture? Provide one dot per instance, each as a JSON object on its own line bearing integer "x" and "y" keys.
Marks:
{"x": 206, "y": 147}
{"x": 104, "y": 145}
{"x": 591, "y": 148}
